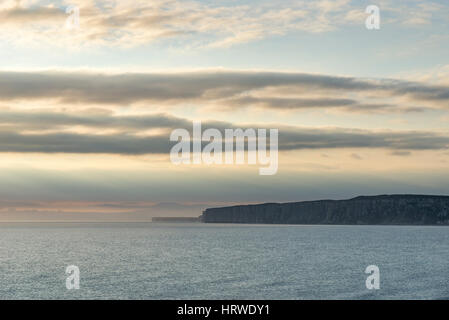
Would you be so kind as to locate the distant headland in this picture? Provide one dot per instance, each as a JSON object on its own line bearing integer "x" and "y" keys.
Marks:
{"x": 396, "y": 209}
{"x": 175, "y": 219}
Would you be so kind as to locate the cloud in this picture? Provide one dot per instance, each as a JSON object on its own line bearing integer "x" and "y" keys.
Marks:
{"x": 356, "y": 156}
{"x": 18, "y": 15}
{"x": 216, "y": 24}
{"x": 82, "y": 143}
{"x": 290, "y": 103}
{"x": 400, "y": 153}
{"x": 127, "y": 140}
{"x": 300, "y": 138}
{"x": 131, "y": 23}
{"x": 277, "y": 90}
{"x": 346, "y": 105}
{"x": 34, "y": 120}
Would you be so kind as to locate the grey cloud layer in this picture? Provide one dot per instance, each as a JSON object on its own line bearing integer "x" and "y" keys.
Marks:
{"x": 232, "y": 89}
{"x": 45, "y": 131}
{"x": 126, "y": 142}
{"x": 57, "y": 120}
{"x": 23, "y": 15}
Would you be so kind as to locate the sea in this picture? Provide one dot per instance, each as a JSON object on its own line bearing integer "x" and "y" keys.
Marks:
{"x": 222, "y": 261}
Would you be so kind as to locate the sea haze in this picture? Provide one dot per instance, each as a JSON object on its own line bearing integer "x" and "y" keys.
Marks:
{"x": 203, "y": 261}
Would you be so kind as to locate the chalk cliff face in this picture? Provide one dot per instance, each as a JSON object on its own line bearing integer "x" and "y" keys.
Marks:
{"x": 383, "y": 209}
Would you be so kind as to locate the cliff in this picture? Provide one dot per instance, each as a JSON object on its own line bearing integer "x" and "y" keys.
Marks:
{"x": 382, "y": 209}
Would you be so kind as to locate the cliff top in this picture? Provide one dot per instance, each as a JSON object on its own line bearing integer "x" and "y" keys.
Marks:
{"x": 376, "y": 197}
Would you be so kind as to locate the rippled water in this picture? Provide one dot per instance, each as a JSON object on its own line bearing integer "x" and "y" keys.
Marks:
{"x": 202, "y": 261}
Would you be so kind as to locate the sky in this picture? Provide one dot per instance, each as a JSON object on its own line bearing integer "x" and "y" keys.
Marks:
{"x": 86, "y": 110}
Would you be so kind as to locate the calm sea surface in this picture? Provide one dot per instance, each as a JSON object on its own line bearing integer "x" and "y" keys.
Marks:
{"x": 207, "y": 261}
